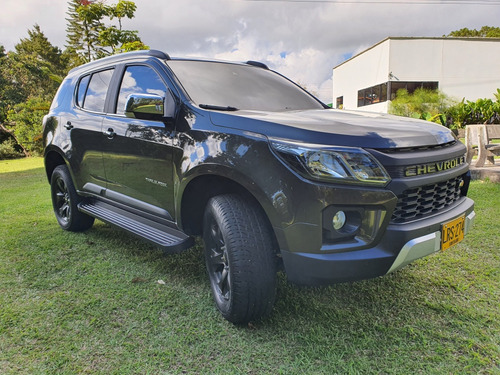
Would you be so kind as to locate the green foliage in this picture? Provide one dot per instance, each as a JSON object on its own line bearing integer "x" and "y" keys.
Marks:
{"x": 38, "y": 46}
{"x": 133, "y": 46}
{"x": 437, "y": 107}
{"x": 25, "y": 122}
{"x": 484, "y": 32}
{"x": 82, "y": 32}
{"x": 482, "y": 111}
{"x": 8, "y": 150}
{"x": 422, "y": 104}
{"x": 89, "y": 38}
{"x": 34, "y": 70}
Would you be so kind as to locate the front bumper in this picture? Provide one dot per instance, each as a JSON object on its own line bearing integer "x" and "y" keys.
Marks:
{"x": 400, "y": 245}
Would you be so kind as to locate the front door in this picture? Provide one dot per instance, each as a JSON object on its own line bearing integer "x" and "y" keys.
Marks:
{"x": 138, "y": 154}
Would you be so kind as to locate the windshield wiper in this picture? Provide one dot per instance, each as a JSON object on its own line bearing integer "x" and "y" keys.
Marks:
{"x": 217, "y": 107}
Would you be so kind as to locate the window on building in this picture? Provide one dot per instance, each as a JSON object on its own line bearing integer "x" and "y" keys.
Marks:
{"x": 372, "y": 95}
{"x": 381, "y": 93}
{"x": 340, "y": 102}
{"x": 411, "y": 87}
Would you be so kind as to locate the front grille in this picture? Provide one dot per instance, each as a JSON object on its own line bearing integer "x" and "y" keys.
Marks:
{"x": 425, "y": 200}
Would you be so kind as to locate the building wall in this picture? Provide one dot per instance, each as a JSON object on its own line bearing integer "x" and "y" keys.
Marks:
{"x": 367, "y": 69}
{"x": 463, "y": 68}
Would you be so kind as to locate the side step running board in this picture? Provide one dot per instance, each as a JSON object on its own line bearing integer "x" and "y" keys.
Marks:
{"x": 169, "y": 239}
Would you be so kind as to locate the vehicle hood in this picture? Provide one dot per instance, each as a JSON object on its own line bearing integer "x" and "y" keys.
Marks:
{"x": 337, "y": 127}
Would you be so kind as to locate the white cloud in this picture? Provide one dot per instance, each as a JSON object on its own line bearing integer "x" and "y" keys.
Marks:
{"x": 304, "y": 41}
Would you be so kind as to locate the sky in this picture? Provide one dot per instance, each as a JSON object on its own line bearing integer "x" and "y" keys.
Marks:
{"x": 303, "y": 39}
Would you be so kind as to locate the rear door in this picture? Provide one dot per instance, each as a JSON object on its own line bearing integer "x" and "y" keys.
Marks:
{"x": 84, "y": 127}
{"x": 138, "y": 155}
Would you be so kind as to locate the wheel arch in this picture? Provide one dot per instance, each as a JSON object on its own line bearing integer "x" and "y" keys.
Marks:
{"x": 53, "y": 158}
{"x": 198, "y": 192}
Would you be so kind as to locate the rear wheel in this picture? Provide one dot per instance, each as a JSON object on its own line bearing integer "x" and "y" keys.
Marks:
{"x": 239, "y": 257}
{"x": 65, "y": 201}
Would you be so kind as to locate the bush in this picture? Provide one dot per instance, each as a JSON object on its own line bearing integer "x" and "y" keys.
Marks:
{"x": 8, "y": 150}
{"x": 424, "y": 104}
{"x": 25, "y": 122}
{"x": 482, "y": 111}
{"x": 433, "y": 105}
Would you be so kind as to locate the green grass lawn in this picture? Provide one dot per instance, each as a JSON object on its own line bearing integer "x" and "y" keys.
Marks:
{"x": 91, "y": 303}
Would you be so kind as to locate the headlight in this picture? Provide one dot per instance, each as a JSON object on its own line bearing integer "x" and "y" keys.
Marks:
{"x": 335, "y": 164}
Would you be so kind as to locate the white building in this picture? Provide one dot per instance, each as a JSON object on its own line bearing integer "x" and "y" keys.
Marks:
{"x": 460, "y": 67}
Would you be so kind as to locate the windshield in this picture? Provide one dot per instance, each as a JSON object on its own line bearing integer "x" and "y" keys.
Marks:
{"x": 217, "y": 85}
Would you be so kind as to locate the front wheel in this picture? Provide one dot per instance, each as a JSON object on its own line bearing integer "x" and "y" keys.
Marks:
{"x": 239, "y": 256}
{"x": 65, "y": 202}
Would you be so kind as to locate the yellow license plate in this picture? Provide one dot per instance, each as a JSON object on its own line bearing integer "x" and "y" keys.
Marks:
{"x": 452, "y": 232}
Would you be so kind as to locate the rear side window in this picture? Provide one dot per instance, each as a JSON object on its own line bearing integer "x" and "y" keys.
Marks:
{"x": 94, "y": 96}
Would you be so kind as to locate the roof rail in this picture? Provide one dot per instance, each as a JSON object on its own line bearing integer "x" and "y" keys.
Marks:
{"x": 257, "y": 64}
{"x": 152, "y": 52}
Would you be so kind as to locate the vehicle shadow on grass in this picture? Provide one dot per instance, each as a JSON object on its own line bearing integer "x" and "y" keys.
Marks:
{"x": 388, "y": 296}
{"x": 187, "y": 265}
{"x": 398, "y": 298}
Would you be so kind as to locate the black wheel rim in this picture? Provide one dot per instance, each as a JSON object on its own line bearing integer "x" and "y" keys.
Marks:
{"x": 62, "y": 201}
{"x": 218, "y": 263}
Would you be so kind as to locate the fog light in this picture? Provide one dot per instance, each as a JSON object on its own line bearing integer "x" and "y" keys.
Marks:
{"x": 338, "y": 220}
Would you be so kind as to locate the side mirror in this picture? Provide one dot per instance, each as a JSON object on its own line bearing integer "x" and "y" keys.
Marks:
{"x": 150, "y": 107}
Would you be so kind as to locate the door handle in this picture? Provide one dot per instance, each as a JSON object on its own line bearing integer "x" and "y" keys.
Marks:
{"x": 110, "y": 133}
{"x": 68, "y": 125}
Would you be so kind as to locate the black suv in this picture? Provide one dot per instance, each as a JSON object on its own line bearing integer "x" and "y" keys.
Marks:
{"x": 269, "y": 176}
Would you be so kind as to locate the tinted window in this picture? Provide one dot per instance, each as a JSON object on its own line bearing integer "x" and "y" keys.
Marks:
{"x": 340, "y": 102}
{"x": 372, "y": 95}
{"x": 82, "y": 88}
{"x": 240, "y": 86}
{"x": 139, "y": 79}
{"x": 411, "y": 87}
{"x": 97, "y": 90}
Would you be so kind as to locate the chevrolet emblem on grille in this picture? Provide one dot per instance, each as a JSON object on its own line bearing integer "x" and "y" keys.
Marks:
{"x": 440, "y": 166}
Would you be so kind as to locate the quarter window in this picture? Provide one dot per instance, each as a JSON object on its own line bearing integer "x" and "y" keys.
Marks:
{"x": 139, "y": 79}
{"x": 97, "y": 90}
{"x": 82, "y": 88}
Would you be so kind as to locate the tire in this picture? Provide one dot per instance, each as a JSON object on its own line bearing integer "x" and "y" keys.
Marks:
{"x": 240, "y": 260}
{"x": 65, "y": 202}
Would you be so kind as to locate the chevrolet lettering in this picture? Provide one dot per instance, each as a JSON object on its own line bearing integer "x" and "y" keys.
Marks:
{"x": 270, "y": 178}
{"x": 417, "y": 170}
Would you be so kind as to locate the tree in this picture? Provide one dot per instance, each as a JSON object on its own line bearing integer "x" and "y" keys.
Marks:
{"x": 484, "y": 32}
{"x": 118, "y": 39}
{"x": 33, "y": 72}
{"x": 38, "y": 46}
{"x": 87, "y": 36}
{"x": 21, "y": 77}
{"x": 82, "y": 32}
